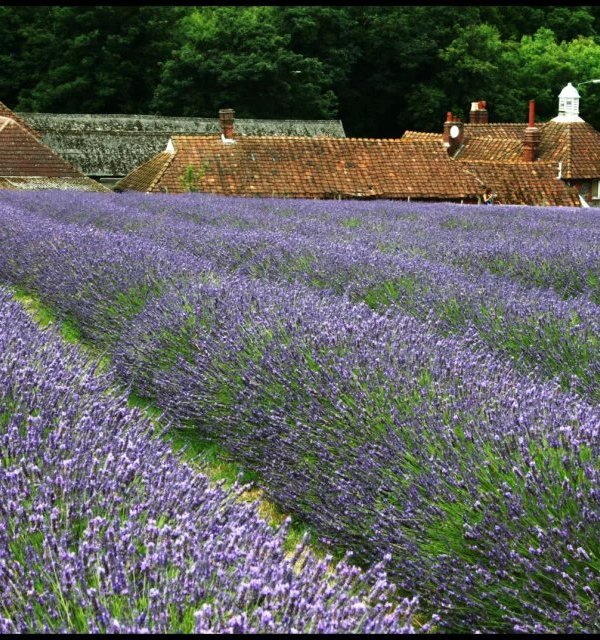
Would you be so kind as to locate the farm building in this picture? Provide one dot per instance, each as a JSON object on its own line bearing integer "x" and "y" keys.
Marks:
{"x": 567, "y": 144}
{"x": 302, "y": 167}
{"x": 325, "y": 167}
{"x": 27, "y": 163}
{"x": 107, "y": 147}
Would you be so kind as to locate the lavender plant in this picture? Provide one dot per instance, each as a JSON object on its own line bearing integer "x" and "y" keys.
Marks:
{"x": 383, "y": 259}
{"x": 542, "y": 246}
{"x": 103, "y": 529}
{"x": 100, "y": 279}
{"x": 477, "y": 480}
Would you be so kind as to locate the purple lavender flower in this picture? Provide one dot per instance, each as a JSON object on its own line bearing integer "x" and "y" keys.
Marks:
{"x": 104, "y": 530}
{"x": 431, "y": 427}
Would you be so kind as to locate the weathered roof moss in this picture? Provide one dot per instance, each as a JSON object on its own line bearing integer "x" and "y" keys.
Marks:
{"x": 105, "y": 145}
{"x": 35, "y": 183}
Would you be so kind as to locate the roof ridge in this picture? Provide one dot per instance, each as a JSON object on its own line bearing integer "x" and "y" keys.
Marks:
{"x": 569, "y": 162}
{"x": 270, "y": 137}
{"x": 155, "y": 115}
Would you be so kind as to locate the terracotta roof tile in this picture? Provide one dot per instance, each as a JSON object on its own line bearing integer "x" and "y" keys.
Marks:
{"x": 5, "y": 112}
{"x": 422, "y": 135}
{"x": 489, "y": 148}
{"x": 575, "y": 144}
{"x": 24, "y": 158}
{"x": 115, "y": 144}
{"x": 514, "y": 130}
{"x": 143, "y": 178}
{"x": 21, "y": 154}
{"x": 528, "y": 183}
{"x": 312, "y": 168}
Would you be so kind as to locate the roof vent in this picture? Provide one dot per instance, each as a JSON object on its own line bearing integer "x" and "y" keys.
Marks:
{"x": 568, "y": 105}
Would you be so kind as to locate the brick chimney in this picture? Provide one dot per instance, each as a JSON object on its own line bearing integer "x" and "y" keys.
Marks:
{"x": 478, "y": 113}
{"x": 531, "y": 142}
{"x": 226, "y": 117}
{"x": 454, "y": 133}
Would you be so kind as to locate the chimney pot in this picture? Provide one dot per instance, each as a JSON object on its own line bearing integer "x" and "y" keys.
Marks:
{"x": 478, "y": 113}
{"x": 532, "y": 136}
{"x": 532, "y": 113}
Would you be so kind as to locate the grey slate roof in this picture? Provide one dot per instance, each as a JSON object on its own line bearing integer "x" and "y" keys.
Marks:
{"x": 104, "y": 145}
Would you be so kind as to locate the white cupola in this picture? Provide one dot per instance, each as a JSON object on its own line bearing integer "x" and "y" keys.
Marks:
{"x": 568, "y": 105}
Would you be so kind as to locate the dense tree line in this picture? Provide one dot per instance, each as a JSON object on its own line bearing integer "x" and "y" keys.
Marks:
{"x": 380, "y": 69}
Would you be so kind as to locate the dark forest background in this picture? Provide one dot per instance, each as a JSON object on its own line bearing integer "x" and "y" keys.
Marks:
{"x": 380, "y": 69}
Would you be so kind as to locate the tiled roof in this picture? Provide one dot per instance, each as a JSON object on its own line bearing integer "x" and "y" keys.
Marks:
{"x": 24, "y": 156}
{"x": 505, "y": 130}
{"x": 529, "y": 183}
{"x": 576, "y": 144}
{"x": 502, "y": 141}
{"x": 488, "y": 148}
{"x": 495, "y": 130}
{"x": 5, "y": 112}
{"x": 144, "y": 177}
{"x": 422, "y": 135}
{"x": 113, "y": 145}
{"x": 312, "y": 168}
{"x": 21, "y": 154}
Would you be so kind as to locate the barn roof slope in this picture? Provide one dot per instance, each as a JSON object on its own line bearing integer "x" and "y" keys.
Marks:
{"x": 106, "y": 145}
{"x": 25, "y": 160}
{"x": 301, "y": 167}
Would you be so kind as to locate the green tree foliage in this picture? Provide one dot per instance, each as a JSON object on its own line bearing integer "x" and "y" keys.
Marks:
{"x": 331, "y": 35}
{"x": 380, "y": 69}
{"x": 480, "y": 65}
{"x": 515, "y": 21}
{"x": 18, "y": 73}
{"x": 392, "y": 85}
{"x": 239, "y": 57}
{"x": 540, "y": 67}
{"x": 472, "y": 67}
{"x": 89, "y": 58}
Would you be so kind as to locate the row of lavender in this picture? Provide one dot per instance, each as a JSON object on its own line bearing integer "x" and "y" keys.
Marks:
{"x": 537, "y": 328}
{"x": 542, "y": 247}
{"x": 479, "y": 482}
{"x": 104, "y": 529}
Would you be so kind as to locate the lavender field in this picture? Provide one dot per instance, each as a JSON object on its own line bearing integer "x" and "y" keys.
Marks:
{"x": 416, "y": 382}
{"x": 104, "y": 530}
